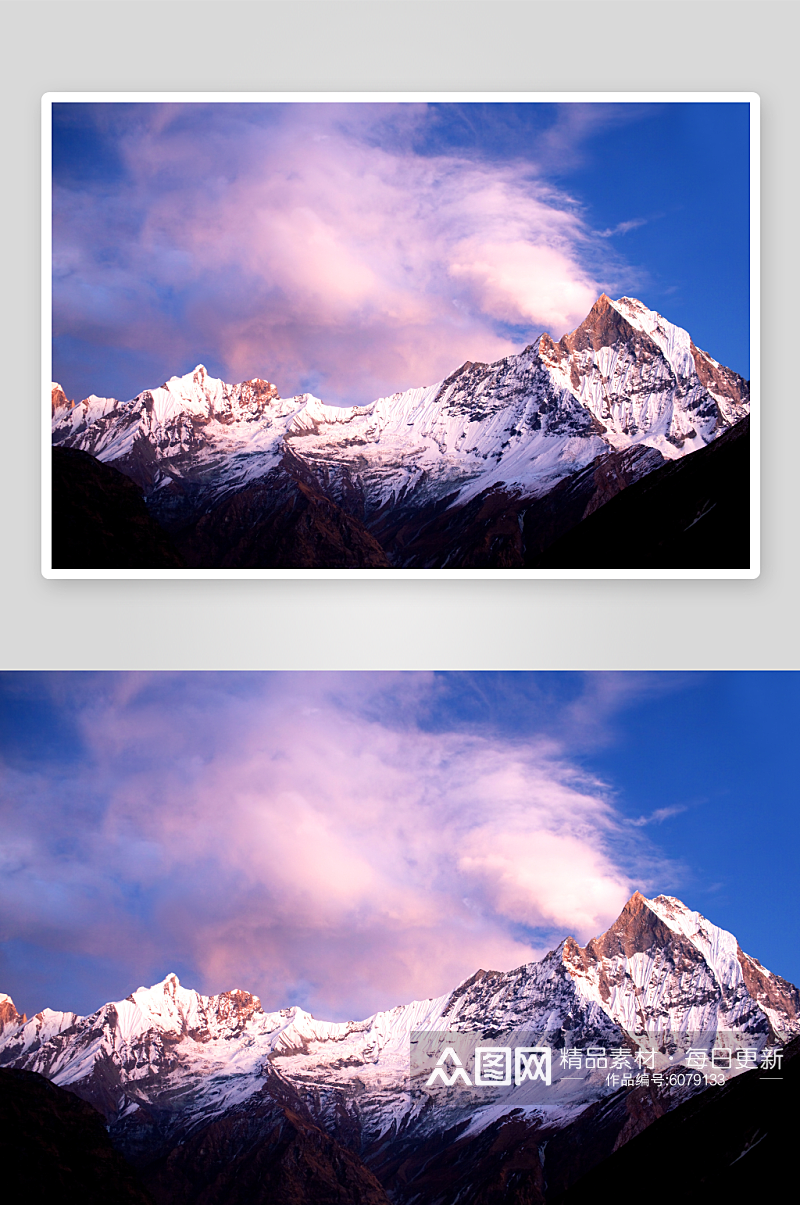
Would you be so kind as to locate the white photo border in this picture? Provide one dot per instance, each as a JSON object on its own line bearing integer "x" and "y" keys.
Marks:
{"x": 750, "y": 98}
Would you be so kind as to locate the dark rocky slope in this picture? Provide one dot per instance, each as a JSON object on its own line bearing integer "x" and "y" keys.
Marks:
{"x": 100, "y": 520}
{"x": 692, "y": 513}
{"x": 732, "y": 1144}
{"x": 55, "y": 1147}
{"x": 500, "y": 529}
{"x": 284, "y": 520}
{"x": 514, "y": 1161}
{"x": 264, "y": 1151}
{"x": 629, "y": 509}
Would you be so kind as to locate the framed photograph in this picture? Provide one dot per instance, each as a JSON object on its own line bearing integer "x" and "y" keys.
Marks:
{"x": 419, "y": 938}
{"x": 400, "y": 335}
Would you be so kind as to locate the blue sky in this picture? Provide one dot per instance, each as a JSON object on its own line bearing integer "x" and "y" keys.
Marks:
{"x": 351, "y": 841}
{"x": 353, "y": 250}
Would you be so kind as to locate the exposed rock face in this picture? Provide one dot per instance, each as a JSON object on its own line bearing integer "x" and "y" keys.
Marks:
{"x": 435, "y": 476}
{"x": 100, "y": 520}
{"x": 9, "y": 1017}
{"x": 168, "y": 1065}
{"x": 55, "y": 1147}
{"x": 59, "y": 402}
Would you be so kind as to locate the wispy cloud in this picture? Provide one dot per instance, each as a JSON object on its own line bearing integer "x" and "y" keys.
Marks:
{"x": 659, "y": 815}
{"x": 320, "y": 249}
{"x": 286, "y": 834}
{"x": 623, "y": 227}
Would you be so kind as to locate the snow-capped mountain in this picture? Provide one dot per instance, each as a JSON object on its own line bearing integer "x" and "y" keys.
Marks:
{"x": 9, "y": 1017}
{"x": 625, "y": 379}
{"x": 168, "y": 1060}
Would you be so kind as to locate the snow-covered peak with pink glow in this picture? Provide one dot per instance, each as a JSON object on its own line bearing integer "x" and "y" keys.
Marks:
{"x": 660, "y": 973}
{"x": 9, "y": 1017}
{"x": 31, "y": 1035}
{"x": 625, "y": 376}
{"x": 718, "y": 947}
{"x": 674, "y": 342}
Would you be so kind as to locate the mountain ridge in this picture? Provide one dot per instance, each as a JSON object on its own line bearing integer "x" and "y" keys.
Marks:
{"x": 644, "y": 925}
{"x": 167, "y": 1062}
{"x": 625, "y": 379}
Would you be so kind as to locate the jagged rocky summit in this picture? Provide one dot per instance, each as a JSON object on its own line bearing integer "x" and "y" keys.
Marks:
{"x": 456, "y": 474}
{"x": 178, "y": 1074}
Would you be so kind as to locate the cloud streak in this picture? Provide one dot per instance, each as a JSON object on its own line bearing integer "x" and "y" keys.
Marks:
{"x": 660, "y": 815}
{"x": 623, "y": 227}
{"x": 315, "y": 246}
{"x": 267, "y": 834}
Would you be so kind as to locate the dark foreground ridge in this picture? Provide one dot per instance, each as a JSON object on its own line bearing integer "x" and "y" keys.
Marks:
{"x": 730, "y": 1144}
{"x": 56, "y": 1147}
{"x": 100, "y": 520}
{"x": 692, "y": 513}
{"x": 628, "y": 510}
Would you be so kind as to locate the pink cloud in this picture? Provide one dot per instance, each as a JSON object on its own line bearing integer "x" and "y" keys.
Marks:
{"x": 279, "y": 841}
{"x": 309, "y": 250}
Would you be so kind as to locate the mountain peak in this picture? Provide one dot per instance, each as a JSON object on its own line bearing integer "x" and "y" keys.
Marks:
{"x": 665, "y": 908}
{"x": 168, "y": 986}
{"x": 665, "y": 929}
{"x": 58, "y": 398}
{"x": 199, "y": 375}
{"x": 169, "y": 983}
{"x": 658, "y": 978}
{"x": 637, "y": 929}
{"x": 604, "y": 326}
{"x": 624, "y": 380}
{"x": 9, "y": 1017}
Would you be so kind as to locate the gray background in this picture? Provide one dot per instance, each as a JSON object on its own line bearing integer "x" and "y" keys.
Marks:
{"x": 377, "y": 45}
